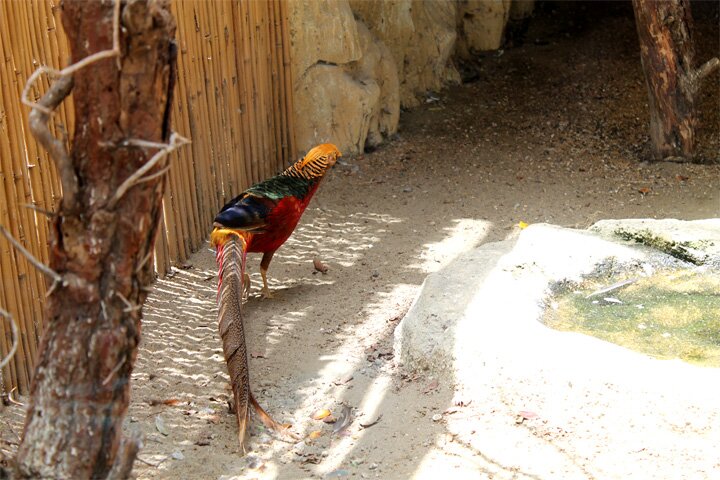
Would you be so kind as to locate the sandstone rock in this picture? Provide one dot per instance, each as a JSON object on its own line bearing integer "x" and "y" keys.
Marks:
{"x": 696, "y": 241}
{"x": 391, "y": 21}
{"x": 481, "y": 25}
{"x": 476, "y": 325}
{"x": 465, "y": 301}
{"x": 346, "y": 88}
{"x": 421, "y": 36}
{"x": 321, "y": 31}
{"x": 377, "y": 66}
{"x": 333, "y": 106}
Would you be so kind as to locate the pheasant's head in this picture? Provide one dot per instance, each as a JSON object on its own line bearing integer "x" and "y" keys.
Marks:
{"x": 316, "y": 163}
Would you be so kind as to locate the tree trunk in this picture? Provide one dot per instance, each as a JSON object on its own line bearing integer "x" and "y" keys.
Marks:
{"x": 667, "y": 53}
{"x": 101, "y": 245}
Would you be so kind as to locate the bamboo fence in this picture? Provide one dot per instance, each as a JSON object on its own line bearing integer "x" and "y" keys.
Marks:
{"x": 233, "y": 99}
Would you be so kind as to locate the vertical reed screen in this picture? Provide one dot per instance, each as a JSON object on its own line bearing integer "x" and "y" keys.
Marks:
{"x": 233, "y": 99}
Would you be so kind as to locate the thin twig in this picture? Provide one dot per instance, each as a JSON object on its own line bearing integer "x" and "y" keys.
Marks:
{"x": 143, "y": 261}
{"x": 152, "y": 464}
{"x": 130, "y": 307}
{"x": 159, "y": 173}
{"x": 176, "y": 141}
{"x": 138, "y": 142}
{"x": 612, "y": 287}
{"x": 16, "y": 336}
{"x": 34, "y": 261}
{"x": 47, "y": 213}
{"x": 114, "y": 370}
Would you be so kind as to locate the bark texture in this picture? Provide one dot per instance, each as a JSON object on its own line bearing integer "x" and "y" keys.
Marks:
{"x": 667, "y": 53}
{"x": 101, "y": 247}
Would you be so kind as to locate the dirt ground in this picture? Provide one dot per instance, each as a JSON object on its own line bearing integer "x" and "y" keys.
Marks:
{"x": 553, "y": 130}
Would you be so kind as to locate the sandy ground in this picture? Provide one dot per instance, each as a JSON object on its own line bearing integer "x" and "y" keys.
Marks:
{"x": 551, "y": 131}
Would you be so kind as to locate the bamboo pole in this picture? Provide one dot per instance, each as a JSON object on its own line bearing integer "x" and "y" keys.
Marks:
{"x": 9, "y": 297}
{"x": 34, "y": 282}
{"x": 230, "y": 109}
{"x": 9, "y": 379}
{"x": 229, "y": 98}
{"x": 205, "y": 132}
{"x": 243, "y": 118}
{"x": 18, "y": 222}
{"x": 274, "y": 90}
{"x": 216, "y": 112}
{"x": 160, "y": 255}
{"x": 183, "y": 210}
{"x": 292, "y": 147}
{"x": 174, "y": 222}
{"x": 272, "y": 86}
{"x": 249, "y": 71}
{"x": 279, "y": 84}
{"x": 261, "y": 58}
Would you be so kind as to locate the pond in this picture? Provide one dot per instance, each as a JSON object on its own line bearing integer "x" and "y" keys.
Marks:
{"x": 668, "y": 315}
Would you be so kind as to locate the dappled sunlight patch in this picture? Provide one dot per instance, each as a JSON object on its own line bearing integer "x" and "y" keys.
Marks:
{"x": 339, "y": 450}
{"x": 337, "y": 238}
{"x": 340, "y": 369}
{"x": 465, "y": 234}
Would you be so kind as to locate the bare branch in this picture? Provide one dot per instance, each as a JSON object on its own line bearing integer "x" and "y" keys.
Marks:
{"x": 693, "y": 80}
{"x": 176, "y": 141}
{"x": 15, "y": 334}
{"x": 34, "y": 261}
{"x": 38, "y": 120}
{"x": 707, "y": 68}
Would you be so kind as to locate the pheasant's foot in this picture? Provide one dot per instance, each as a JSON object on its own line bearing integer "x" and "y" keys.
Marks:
{"x": 282, "y": 429}
{"x": 266, "y": 290}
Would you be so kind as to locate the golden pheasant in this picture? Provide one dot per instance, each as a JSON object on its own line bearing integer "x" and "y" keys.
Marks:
{"x": 258, "y": 220}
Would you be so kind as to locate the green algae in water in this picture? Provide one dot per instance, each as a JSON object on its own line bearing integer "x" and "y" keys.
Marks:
{"x": 667, "y": 315}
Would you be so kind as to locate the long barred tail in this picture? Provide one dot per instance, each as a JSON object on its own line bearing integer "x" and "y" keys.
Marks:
{"x": 230, "y": 256}
{"x": 231, "y": 251}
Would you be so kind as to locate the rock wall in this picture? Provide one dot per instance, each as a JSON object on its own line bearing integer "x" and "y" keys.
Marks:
{"x": 356, "y": 62}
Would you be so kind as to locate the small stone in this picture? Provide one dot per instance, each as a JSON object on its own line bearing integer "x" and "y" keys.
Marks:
{"x": 339, "y": 473}
{"x": 373, "y": 466}
{"x": 178, "y": 455}
{"x": 437, "y": 417}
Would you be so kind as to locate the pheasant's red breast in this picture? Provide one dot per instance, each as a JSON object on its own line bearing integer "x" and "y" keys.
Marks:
{"x": 280, "y": 223}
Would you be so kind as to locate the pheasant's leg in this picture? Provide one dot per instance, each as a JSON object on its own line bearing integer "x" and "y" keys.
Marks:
{"x": 246, "y": 285}
{"x": 264, "y": 264}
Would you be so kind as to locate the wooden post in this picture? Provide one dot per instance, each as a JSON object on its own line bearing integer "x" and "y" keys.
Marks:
{"x": 102, "y": 239}
{"x": 667, "y": 53}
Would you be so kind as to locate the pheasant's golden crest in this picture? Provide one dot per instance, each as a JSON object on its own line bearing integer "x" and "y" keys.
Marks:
{"x": 315, "y": 163}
